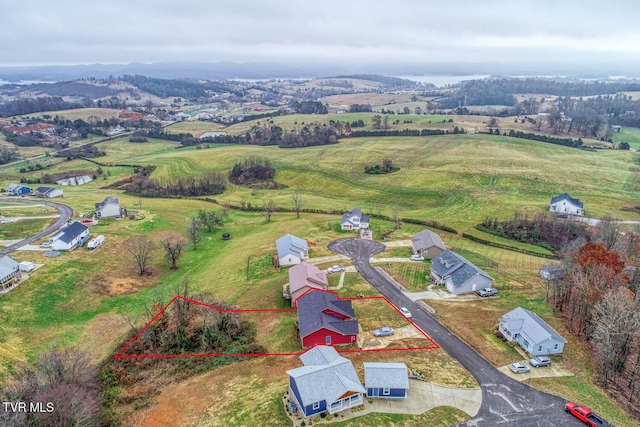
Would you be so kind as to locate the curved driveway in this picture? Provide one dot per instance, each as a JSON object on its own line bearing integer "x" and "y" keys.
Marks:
{"x": 65, "y": 215}
{"x": 505, "y": 401}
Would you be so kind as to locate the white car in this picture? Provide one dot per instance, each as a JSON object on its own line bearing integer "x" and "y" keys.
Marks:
{"x": 519, "y": 368}
{"x": 335, "y": 269}
{"x": 405, "y": 312}
{"x": 416, "y": 258}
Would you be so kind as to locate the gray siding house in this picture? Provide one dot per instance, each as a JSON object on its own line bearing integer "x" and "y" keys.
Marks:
{"x": 458, "y": 274}
{"x": 109, "y": 207}
{"x": 354, "y": 220}
{"x": 291, "y": 250}
{"x": 532, "y": 333}
{"x": 427, "y": 244}
{"x": 70, "y": 237}
{"x": 388, "y": 380}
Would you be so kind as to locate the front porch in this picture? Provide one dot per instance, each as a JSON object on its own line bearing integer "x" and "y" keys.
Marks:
{"x": 346, "y": 403}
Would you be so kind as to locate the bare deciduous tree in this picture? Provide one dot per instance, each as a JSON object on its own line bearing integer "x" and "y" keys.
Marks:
{"x": 140, "y": 248}
{"x": 608, "y": 231}
{"x": 194, "y": 231}
{"x": 210, "y": 219}
{"x": 269, "y": 206}
{"x": 299, "y": 201}
{"x": 173, "y": 245}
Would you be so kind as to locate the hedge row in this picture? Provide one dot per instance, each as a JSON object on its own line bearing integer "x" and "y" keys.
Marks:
{"x": 510, "y": 248}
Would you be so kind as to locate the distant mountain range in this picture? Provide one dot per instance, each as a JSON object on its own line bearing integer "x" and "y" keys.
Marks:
{"x": 263, "y": 70}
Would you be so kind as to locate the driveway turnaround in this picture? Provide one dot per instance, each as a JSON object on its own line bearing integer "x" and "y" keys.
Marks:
{"x": 505, "y": 401}
{"x": 65, "y": 215}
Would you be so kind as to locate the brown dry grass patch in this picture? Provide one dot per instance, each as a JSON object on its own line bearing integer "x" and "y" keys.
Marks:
{"x": 127, "y": 282}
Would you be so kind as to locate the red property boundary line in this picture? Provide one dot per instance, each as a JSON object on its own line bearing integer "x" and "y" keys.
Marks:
{"x": 119, "y": 354}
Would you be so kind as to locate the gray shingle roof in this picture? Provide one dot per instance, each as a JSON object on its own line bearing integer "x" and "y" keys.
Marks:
{"x": 43, "y": 190}
{"x": 533, "y": 327}
{"x": 107, "y": 201}
{"x": 426, "y": 239}
{"x": 72, "y": 231}
{"x": 5, "y": 261}
{"x": 290, "y": 244}
{"x": 325, "y": 376}
{"x": 449, "y": 263}
{"x": 311, "y": 315}
{"x": 566, "y": 196}
{"x": 353, "y": 213}
{"x": 383, "y": 375}
{"x": 6, "y": 273}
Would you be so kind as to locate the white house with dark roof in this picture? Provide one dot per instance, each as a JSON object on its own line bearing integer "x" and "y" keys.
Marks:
{"x": 388, "y": 380}
{"x": 9, "y": 272}
{"x": 565, "y": 204}
{"x": 109, "y": 207}
{"x": 48, "y": 192}
{"x": 427, "y": 244}
{"x": 354, "y": 220}
{"x": 457, "y": 273}
{"x": 69, "y": 237}
{"x": 326, "y": 382}
{"x": 532, "y": 333}
{"x": 291, "y": 250}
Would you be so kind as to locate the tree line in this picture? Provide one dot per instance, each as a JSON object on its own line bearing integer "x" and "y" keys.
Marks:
{"x": 36, "y": 105}
{"x": 205, "y": 184}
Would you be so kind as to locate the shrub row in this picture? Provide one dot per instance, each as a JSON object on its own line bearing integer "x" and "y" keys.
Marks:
{"x": 510, "y": 248}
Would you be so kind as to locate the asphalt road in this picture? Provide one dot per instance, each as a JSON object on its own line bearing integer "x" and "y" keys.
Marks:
{"x": 505, "y": 402}
{"x": 65, "y": 215}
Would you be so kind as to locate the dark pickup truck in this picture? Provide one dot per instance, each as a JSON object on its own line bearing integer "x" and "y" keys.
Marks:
{"x": 585, "y": 415}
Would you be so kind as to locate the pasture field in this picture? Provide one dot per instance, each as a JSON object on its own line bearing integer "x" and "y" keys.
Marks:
{"x": 628, "y": 134}
{"x": 87, "y": 298}
{"x": 196, "y": 128}
{"x": 78, "y": 113}
{"x": 374, "y": 99}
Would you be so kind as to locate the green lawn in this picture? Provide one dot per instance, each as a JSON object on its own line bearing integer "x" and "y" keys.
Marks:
{"x": 628, "y": 134}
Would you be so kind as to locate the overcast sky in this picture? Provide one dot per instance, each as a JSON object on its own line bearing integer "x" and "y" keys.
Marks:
{"x": 45, "y": 32}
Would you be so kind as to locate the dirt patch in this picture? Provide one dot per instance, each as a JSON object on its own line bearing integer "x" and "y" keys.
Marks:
{"x": 105, "y": 285}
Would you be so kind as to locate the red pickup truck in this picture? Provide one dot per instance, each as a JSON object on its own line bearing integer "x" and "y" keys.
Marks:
{"x": 584, "y": 414}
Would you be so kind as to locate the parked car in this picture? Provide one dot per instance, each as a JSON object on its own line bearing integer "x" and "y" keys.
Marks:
{"x": 487, "y": 292}
{"x": 519, "y": 368}
{"x": 383, "y": 332}
{"x": 416, "y": 258}
{"x": 226, "y": 236}
{"x": 335, "y": 269}
{"x": 539, "y": 361}
{"x": 405, "y": 312}
{"x": 584, "y": 414}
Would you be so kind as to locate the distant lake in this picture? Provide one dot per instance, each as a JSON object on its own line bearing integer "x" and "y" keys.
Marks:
{"x": 441, "y": 80}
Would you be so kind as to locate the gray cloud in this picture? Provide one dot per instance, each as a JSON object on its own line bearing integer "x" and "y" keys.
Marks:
{"x": 75, "y": 31}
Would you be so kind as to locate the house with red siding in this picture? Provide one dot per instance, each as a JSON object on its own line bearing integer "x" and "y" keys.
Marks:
{"x": 325, "y": 319}
{"x": 304, "y": 277}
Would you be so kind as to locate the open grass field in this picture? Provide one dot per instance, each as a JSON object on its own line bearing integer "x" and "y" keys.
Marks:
{"x": 80, "y": 298}
{"x": 628, "y": 134}
{"x": 196, "y": 128}
{"x": 79, "y": 113}
{"x": 373, "y": 99}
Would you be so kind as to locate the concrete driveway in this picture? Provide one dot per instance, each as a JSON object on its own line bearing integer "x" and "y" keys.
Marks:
{"x": 556, "y": 370}
{"x": 505, "y": 401}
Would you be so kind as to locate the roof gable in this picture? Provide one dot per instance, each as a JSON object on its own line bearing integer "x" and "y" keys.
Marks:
{"x": 382, "y": 375}
{"x": 325, "y": 376}
{"x": 306, "y": 275}
{"x": 5, "y": 261}
{"x": 353, "y": 213}
{"x": 450, "y": 264}
{"x": 291, "y": 245}
{"x": 426, "y": 239}
{"x": 312, "y": 316}
{"x": 107, "y": 201}
{"x": 567, "y": 197}
{"x": 71, "y": 231}
{"x": 536, "y": 329}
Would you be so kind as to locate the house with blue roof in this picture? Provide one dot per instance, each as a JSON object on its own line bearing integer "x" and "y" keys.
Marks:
{"x": 457, "y": 273}
{"x": 291, "y": 250}
{"x": 327, "y": 382}
{"x": 386, "y": 380}
{"x": 567, "y": 205}
{"x": 533, "y": 334}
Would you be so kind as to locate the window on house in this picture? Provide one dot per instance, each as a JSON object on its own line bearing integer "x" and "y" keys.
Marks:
{"x": 316, "y": 406}
{"x": 386, "y": 391}
{"x": 555, "y": 347}
{"x": 539, "y": 348}
{"x": 289, "y": 259}
{"x": 328, "y": 340}
{"x": 525, "y": 342}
